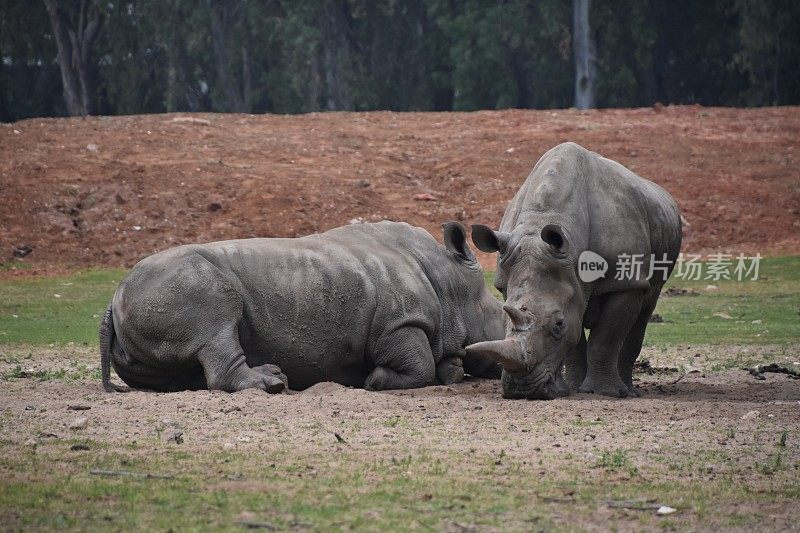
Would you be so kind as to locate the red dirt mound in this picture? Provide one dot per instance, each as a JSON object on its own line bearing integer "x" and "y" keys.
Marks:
{"x": 110, "y": 190}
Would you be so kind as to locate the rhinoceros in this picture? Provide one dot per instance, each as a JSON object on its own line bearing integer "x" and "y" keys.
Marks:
{"x": 578, "y": 207}
{"x": 383, "y": 306}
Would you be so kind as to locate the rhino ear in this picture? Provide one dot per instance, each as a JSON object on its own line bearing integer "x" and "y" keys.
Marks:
{"x": 455, "y": 240}
{"x": 553, "y": 234}
{"x": 489, "y": 241}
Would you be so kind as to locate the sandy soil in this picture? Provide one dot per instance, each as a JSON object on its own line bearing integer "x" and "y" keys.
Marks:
{"x": 110, "y": 190}
{"x": 704, "y": 426}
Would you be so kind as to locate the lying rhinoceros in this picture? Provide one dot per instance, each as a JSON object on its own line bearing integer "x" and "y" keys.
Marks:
{"x": 380, "y": 305}
{"x": 577, "y": 206}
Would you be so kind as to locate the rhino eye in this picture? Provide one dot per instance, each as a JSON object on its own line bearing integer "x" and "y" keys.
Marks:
{"x": 557, "y": 331}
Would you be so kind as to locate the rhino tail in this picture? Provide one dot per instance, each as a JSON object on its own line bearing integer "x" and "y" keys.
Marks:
{"x": 106, "y": 342}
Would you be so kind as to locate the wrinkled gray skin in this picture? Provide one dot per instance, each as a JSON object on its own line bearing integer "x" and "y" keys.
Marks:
{"x": 380, "y": 305}
{"x": 575, "y": 200}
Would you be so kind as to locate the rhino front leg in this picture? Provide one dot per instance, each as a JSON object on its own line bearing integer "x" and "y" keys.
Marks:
{"x": 450, "y": 370}
{"x": 633, "y": 342}
{"x": 226, "y": 369}
{"x": 618, "y": 315}
{"x": 575, "y": 364}
{"x": 403, "y": 360}
{"x": 481, "y": 367}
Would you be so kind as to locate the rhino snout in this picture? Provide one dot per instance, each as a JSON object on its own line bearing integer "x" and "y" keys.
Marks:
{"x": 539, "y": 384}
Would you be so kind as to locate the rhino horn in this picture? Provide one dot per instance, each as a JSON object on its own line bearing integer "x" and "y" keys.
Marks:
{"x": 507, "y": 352}
{"x": 518, "y": 318}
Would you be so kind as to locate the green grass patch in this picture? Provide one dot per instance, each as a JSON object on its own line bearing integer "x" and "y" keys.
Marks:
{"x": 58, "y": 309}
{"x": 53, "y": 488}
{"x": 765, "y": 311}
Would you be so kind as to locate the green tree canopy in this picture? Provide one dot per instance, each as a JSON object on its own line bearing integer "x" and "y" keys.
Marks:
{"x": 298, "y": 56}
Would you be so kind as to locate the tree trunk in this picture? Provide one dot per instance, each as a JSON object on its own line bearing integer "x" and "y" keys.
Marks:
{"x": 75, "y": 41}
{"x": 584, "y": 53}
{"x": 336, "y": 58}
{"x": 235, "y": 99}
{"x": 171, "y": 100}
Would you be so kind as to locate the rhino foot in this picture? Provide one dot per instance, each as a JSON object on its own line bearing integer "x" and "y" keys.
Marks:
{"x": 450, "y": 370}
{"x": 268, "y": 378}
{"x": 575, "y": 377}
{"x": 605, "y": 387}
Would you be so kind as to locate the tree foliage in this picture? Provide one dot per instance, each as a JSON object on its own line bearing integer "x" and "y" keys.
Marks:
{"x": 282, "y": 56}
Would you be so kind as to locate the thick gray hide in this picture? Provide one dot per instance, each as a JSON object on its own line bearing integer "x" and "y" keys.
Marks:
{"x": 575, "y": 200}
{"x": 380, "y": 305}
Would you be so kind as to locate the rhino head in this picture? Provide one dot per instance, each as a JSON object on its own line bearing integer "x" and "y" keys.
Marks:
{"x": 544, "y": 306}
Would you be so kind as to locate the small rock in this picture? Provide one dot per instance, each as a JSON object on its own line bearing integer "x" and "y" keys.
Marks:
{"x": 174, "y": 435}
{"x": 724, "y": 316}
{"x": 228, "y": 446}
{"x": 510, "y": 151}
{"x": 137, "y": 228}
{"x": 359, "y": 220}
{"x": 751, "y": 415}
{"x": 56, "y": 296}
{"x": 666, "y": 509}
{"x": 92, "y": 147}
{"x": 689, "y": 369}
{"x": 190, "y": 120}
{"x": 363, "y": 183}
{"x": 231, "y": 409}
{"x": 31, "y": 442}
{"x": 214, "y": 206}
{"x": 79, "y": 423}
{"x": 757, "y": 321}
{"x": 655, "y": 318}
{"x": 424, "y": 197}
{"x": 589, "y": 437}
{"x": 711, "y": 287}
{"x": 243, "y": 438}
{"x": 79, "y": 448}
{"x": 22, "y": 250}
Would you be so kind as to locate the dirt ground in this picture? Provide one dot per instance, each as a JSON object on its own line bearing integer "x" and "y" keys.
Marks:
{"x": 110, "y": 190}
{"x": 698, "y": 427}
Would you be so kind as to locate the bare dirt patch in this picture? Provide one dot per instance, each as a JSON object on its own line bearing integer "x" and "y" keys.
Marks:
{"x": 110, "y": 190}
{"x": 697, "y": 427}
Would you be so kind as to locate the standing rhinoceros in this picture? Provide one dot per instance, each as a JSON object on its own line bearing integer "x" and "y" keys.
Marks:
{"x": 380, "y": 305}
{"x": 576, "y": 205}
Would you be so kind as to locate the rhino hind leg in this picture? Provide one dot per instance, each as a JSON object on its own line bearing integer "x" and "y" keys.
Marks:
{"x": 403, "y": 360}
{"x": 226, "y": 369}
{"x": 575, "y": 364}
{"x": 617, "y": 317}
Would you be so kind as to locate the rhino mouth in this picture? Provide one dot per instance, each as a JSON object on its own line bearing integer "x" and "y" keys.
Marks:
{"x": 534, "y": 385}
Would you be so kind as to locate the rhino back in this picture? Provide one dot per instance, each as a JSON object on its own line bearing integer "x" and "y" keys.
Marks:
{"x": 603, "y": 206}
